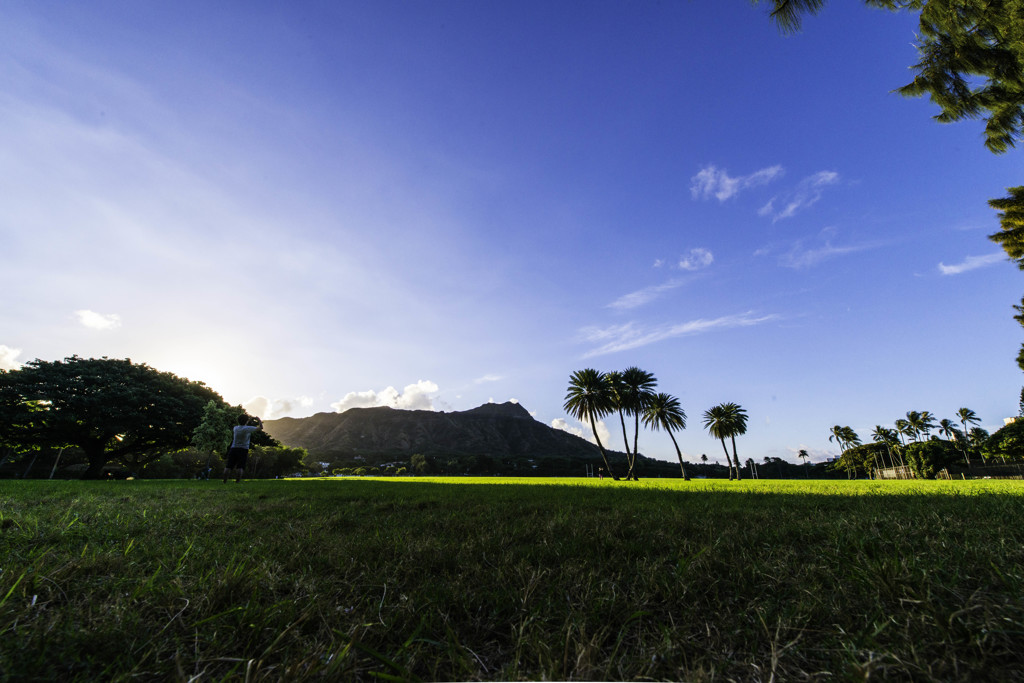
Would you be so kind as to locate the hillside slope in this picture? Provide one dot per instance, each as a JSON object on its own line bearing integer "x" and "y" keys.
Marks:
{"x": 494, "y": 430}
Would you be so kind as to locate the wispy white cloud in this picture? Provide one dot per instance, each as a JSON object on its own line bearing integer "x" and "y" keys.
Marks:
{"x": 807, "y": 193}
{"x": 697, "y": 258}
{"x": 632, "y": 335}
{"x": 710, "y": 182}
{"x": 644, "y": 296}
{"x": 271, "y": 409}
{"x": 805, "y": 257}
{"x": 488, "y": 378}
{"x": 9, "y": 358}
{"x": 414, "y": 397}
{"x": 972, "y": 263}
{"x": 98, "y": 321}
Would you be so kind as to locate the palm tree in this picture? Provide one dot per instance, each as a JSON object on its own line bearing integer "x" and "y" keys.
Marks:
{"x": 914, "y": 424}
{"x": 738, "y": 421}
{"x": 719, "y": 421}
{"x": 890, "y": 438}
{"x": 664, "y": 411}
{"x": 837, "y": 434}
{"x": 947, "y": 428}
{"x": 614, "y": 380}
{"x": 966, "y": 416}
{"x": 589, "y": 398}
{"x": 977, "y": 437}
{"x": 635, "y": 392}
{"x": 803, "y": 455}
{"x": 903, "y": 428}
{"x": 851, "y": 439}
{"x": 927, "y": 422}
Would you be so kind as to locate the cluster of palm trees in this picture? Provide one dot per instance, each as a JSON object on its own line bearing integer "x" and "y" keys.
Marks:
{"x": 915, "y": 427}
{"x": 593, "y": 395}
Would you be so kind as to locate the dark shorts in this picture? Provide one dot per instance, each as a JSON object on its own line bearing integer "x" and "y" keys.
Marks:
{"x": 237, "y": 457}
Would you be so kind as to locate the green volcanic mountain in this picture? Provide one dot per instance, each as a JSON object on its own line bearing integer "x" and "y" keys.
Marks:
{"x": 504, "y": 430}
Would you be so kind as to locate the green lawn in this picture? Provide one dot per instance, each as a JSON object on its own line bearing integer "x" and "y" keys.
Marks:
{"x": 507, "y": 579}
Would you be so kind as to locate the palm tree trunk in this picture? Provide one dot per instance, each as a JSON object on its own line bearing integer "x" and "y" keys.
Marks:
{"x": 636, "y": 450}
{"x": 600, "y": 446}
{"x": 727, "y": 460}
{"x": 679, "y": 455}
{"x": 735, "y": 457}
{"x": 625, "y": 440}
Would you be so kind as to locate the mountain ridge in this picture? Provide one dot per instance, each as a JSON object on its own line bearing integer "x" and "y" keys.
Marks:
{"x": 496, "y": 430}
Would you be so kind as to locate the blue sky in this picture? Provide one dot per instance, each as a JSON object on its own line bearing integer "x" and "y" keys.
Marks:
{"x": 312, "y": 206}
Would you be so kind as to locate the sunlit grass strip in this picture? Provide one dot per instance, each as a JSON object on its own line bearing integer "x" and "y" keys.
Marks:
{"x": 828, "y": 487}
{"x": 462, "y": 579}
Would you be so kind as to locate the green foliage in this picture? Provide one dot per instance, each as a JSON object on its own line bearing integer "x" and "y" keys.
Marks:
{"x": 928, "y": 458}
{"x": 664, "y": 412}
{"x": 1007, "y": 443}
{"x": 1011, "y": 223}
{"x": 864, "y": 458}
{"x": 269, "y": 462}
{"x": 727, "y": 420}
{"x": 419, "y": 463}
{"x": 971, "y": 59}
{"x": 213, "y": 435}
{"x": 591, "y": 396}
{"x": 114, "y": 410}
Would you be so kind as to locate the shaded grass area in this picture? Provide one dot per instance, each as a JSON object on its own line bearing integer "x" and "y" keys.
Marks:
{"x": 574, "y": 579}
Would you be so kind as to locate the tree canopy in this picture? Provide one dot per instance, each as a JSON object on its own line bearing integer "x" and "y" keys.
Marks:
{"x": 113, "y": 409}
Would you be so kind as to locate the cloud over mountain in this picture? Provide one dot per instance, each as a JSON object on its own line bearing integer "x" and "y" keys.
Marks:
{"x": 414, "y": 397}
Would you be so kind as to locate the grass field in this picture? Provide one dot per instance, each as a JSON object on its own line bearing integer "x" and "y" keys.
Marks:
{"x": 503, "y": 579}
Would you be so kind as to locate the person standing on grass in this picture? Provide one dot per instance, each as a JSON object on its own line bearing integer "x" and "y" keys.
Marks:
{"x": 238, "y": 454}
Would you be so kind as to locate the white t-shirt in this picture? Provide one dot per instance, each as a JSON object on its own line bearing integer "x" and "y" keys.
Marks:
{"x": 241, "y": 434}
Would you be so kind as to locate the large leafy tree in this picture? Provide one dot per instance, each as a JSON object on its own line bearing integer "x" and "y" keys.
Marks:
{"x": 664, "y": 412}
{"x": 114, "y": 410}
{"x": 590, "y": 397}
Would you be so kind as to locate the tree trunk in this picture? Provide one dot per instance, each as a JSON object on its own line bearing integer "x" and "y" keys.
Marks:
{"x": 734, "y": 456}
{"x": 727, "y": 460}
{"x": 625, "y": 441}
{"x": 679, "y": 454}
{"x": 593, "y": 426}
{"x": 636, "y": 450}
{"x": 97, "y": 459}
